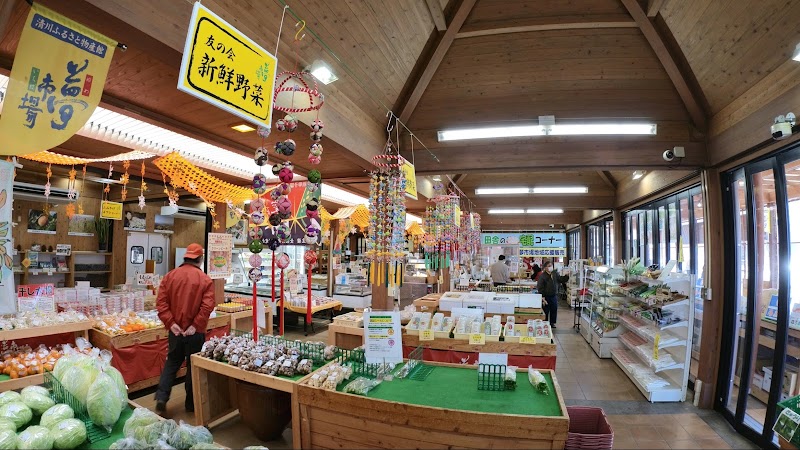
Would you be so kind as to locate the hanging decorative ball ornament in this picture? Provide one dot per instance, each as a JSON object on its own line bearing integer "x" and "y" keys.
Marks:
{"x": 259, "y": 183}
{"x": 256, "y": 233}
{"x": 310, "y": 258}
{"x": 255, "y": 260}
{"x": 286, "y": 147}
{"x": 284, "y": 189}
{"x": 262, "y": 156}
{"x": 317, "y": 125}
{"x": 282, "y": 261}
{"x": 288, "y": 165}
{"x": 254, "y": 274}
{"x": 255, "y": 246}
{"x": 316, "y": 149}
{"x": 283, "y": 232}
{"x": 312, "y": 187}
{"x": 257, "y": 217}
{"x": 314, "y": 159}
{"x": 314, "y": 176}
{"x": 263, "y": 132}
{"x": 274, "y": 194}
{"x": 312, "y": 214}
{"x": 277, "y": 168}
{"x": 284, "y": 205}
{"x": 312, "y": 205}
{"x": 274, "y": 219}
{"x": 273, "y": 244}
{"x": 257, "y": 205}
{"x": 286, "y": 175}
{"x": 288, "y": 123}
{"x": 309, "y": 239}
{"x": 315, "y": 136}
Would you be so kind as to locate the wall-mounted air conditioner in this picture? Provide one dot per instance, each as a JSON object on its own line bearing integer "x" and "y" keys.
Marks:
{"x": 35, "y": 192}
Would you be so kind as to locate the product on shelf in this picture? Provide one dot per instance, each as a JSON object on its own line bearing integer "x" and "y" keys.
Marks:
{"x": 57, "y": 427}
{"x": 232, "y": 307}
{"x": 20, "y": 362}
{"x": 32, "y": 319}
{"x": 278, "y": 358}
{"x": 352, "y": 319}
{"x": 537, "y": 381}
{"x": 126, "y": 322}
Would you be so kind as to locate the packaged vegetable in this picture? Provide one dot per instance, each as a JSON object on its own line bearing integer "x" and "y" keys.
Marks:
{"x": 103, "y": 402}
{"x": 7, "y": 424}
{"x": 155, "y": 431}
{"x": 37, "y": 402}
{"x": 537, "y": 381}
{"x": 140, "y": 418}
{"x": 68, "y": 434}
{"x": 8, "y": 440}
{"x": 78, "y": 379}
{"x": 122, "y": 388}
{"x": 361, "y": 386}
{"x": 38, "y": 389}
{"x": 510, "y": 378}
{"x": 206, "y": 447}
{"x": 35, "y": 437}
{"x": 17, "y": 412}
{"x": 162, "y": 444}
{"x": 129, "y": 444}
{"x": 186, "y": 436}
{"x": 56, "y": 414}
{"x": 8, "y": 397}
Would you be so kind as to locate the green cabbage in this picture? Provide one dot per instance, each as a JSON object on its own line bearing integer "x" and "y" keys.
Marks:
{"x": 122, "y": 388}
{"x": 9, "y": 396}
{"x": 140, "y": 418}
{"x": 35, "y": 438}
{"x": 186, "y": 436}
{"x": 68, "y": 361}
{"x": 56, "y": 414}
{"x": 37, "y": 389}
{"x": 155, "y": 431}
{"x": 103, "y": 402}
{"x": 37, "y": 402}
{"x": 7, "y": 424}
{"x": 161, "y": 444}
{"x": 78, "y": 379}
{"x": 68, "y": 434}
{"x": 129, "y": 444}
{"x": 17, "y": 412}
{"x": 8, "y": 440}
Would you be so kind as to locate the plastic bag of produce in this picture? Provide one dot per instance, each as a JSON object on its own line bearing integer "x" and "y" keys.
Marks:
{"x": 155, "y": 431}
{"x": 8, "y": 440}
{"x": 68, "y": 434}
{"x": 9, "y": 396}
{"x": 186, "y": 436}
{"x": 103, "y": 402}
{"x": 256, "y": 447}
{"x": 538, "y": 381}
{"x": 35, "y": 438}
{"x": 129, "y": 444}
{"x": 37, "y": 402}
{"x": 56, "y": 414}
{"x": 122, "y": 388}
{"x": 206, "y": 447}
{"x": 70, "y": 359}
{"x": 7, "y": 424}
{"x": 79, "y": 378}
{"x": 37, "y": 389}
{"x": 161, "y": 444}
{"x": 140, "y": 418}
{"x": 17, "y": 412}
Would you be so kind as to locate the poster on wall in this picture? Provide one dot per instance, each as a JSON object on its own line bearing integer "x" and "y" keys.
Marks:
{"x": 382, "y": 340}
{"x": 7, "y": 303}
{"x": 165, "y": 224}
{"x": 40, "y": 222}
{"x": 239, "y": 232}
{"x": 36, "y": 297}
{"x": 81, "y": 225}
{"x": 219, "y": 255}
{"x": 135, "y": 221}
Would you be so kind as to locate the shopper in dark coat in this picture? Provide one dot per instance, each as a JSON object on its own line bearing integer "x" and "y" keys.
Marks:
{"x": 547, "y": 286}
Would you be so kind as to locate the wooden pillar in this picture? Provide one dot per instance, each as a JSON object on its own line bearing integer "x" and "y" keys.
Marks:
{"x": 619, "y": 236}
{"x": 582, "y": 233}
{"x": 221, "y": 210}
{"x": 334, "y": 230}
{"x": 711, "y": 337}
{"x": 380, "y": 298}
{"x": 445, "y": 278}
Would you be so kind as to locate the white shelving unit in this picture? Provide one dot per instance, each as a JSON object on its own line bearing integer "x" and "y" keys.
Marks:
{"x": 599, "y": 319}
{"x": 657, "y": 341}
{"x": 577, "y": 281}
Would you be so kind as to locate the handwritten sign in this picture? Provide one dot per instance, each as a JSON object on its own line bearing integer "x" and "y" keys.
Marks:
{"x": 411, "y": 179}
{"x": 477, "y": 339}
{"x": 527, "y": 340}
{"x": 426, "y": 335}
{"x": 36, "y": 297}
{"x": 146, "y": 279}
{"x": 110, "y": 210}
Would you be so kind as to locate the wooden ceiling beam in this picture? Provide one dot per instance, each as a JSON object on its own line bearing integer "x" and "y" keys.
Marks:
{"x": 492, "y": 31}
{"x": 608, "y": 179}
{"x": 446, "y": 40}
{"x": 437, "y": 14}
{"x": 654, "y": 6}
{"x": 566, "y": 202}
{"x": 690, "y": 99}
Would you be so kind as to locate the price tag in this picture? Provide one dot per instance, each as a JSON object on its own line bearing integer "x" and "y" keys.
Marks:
{"x": 656, "y": 341}
{"x": 527, "y": 340}
{"x": 426, "y": 335}
{"x": 477, "y": 339}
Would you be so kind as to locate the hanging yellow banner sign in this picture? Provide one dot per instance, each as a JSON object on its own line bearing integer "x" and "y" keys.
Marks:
{"x": 227, "y": 69}
{"x": 56, "y": 82}
{"x": 110, "y": 210}
{"x": 411, "y": 179}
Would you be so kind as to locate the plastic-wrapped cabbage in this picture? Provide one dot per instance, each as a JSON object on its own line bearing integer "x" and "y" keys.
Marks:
{"x": 155, "y": 431}
{"x": 35, "y": 438}
{"x": 7, "y": 424}
{"x": 186, "y": 436}
{"x": 161, "y": 444}
{"x": 70, "y": 360}
{"x": 9, "y": 396}
{"x": 206, "y": 447}
{"x": 68, "y": 434}
{"x": 103, "y": 402}
{"x": 129, "y": 444}
{"x": 37, "y": 402}
{"x": 37, "y": 389}
{"x": 256, "y": 447}
{"x": 8, "y": 440}
{"x": 17, "y": 412}
{"x": 56, "y": 414}
{"x": 140, "y": 418}
{"x": 122, "y": 388}
{"x": 78, "y": 379}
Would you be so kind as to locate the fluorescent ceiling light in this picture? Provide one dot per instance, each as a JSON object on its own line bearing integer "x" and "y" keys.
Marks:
{"x": 545, "y": 211}
{"x": 506, "y": 211}
{"x": 563, "y": 129}
{"x": 796, "y": 55}
{"x": 322, "y": 72}
{"x": 243, "y": 128}
{"x": 638, "y": 174}
{"x": 535, "y": 190}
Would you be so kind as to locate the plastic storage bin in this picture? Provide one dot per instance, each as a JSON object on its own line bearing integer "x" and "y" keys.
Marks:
{"x": 588, "y": 429}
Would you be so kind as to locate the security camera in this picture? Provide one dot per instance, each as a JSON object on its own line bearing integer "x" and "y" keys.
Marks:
{"x": 782, "y": 126}
{"x": 552, "y": 225}
{"x": 668, "y": 155}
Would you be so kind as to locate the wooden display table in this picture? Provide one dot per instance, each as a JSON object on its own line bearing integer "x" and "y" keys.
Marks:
{"x": 301, "y": 311}
{"x": 140, "y": 356}
{"x": 521, "y": 315}
{"x": 243, "y": 320}
{"x": 539, "y": 355}
{"x": 445, "y": 410}
{"x": 345, "y": 337}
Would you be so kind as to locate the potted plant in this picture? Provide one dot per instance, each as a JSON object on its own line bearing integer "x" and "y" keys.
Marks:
{"x": 101, "y": 227}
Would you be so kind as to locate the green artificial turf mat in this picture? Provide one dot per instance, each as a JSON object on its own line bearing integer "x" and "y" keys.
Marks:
{"x": 116, "y": 433}
{"x": 457, "y": 388}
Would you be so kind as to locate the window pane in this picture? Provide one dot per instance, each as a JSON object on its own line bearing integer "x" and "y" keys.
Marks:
{"x": 741, "y": 242}
{"x": 650, "y": 252}
{"x": 137, "y": 254}
{"x": 635, "y": 236}
{"x": 610, "y": 242}
{"x": 673, "y": 230}
{"x": 662, "y": 236}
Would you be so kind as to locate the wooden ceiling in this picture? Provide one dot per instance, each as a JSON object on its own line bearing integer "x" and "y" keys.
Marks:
{"x": 460, "y": 63}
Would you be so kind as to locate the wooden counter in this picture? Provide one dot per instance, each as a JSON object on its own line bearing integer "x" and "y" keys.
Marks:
{"x": 458, "y": 345}
{"x": 243, "y": 320}
{"x": 345, "y": 337}
{"x": 106, "y": 341}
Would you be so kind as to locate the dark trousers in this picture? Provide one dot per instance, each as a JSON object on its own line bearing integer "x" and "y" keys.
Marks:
{"x": 551, "y": 310}
{"x": 181, "y": 349}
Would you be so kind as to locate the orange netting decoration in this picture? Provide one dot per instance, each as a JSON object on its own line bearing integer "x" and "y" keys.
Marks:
{"x": 48, "y": 157}
{"x": 211, "y": 189}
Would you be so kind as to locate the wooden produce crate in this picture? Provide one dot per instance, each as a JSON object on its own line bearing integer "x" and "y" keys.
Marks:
{"x": 25, "y": 333}
{"x": 428, "y": 303}
{"x": 19, "y": 383}
{"x": 106, "y": 341}
{"x": 459, "y": 345}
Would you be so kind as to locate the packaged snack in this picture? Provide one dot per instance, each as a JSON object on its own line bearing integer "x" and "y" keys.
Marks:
{"x": 361, "y": 386}
{"x": 304, "y": 367}
{"x": 287, "y": 368}
{"x": 475, "y": 327}
{"x": 330, "y": 383}
{"x": 315, "y": 380}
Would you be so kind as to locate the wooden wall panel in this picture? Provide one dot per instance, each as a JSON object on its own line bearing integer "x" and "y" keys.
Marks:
{"x": 630, "y": 191}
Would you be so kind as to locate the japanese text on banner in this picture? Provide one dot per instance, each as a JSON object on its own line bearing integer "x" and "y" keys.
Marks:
{"x": 8, "y": 304}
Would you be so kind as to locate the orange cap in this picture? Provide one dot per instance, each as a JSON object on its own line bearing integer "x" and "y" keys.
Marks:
{"x": 194, "y": 251}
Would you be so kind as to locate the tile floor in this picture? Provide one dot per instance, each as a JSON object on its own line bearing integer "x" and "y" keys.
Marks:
{"x": 585, "y": 380}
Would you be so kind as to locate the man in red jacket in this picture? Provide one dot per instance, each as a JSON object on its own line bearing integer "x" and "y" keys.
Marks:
{"x": 185, "y": 301}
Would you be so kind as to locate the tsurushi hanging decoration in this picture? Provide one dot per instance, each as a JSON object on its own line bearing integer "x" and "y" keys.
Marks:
{"x": 386, "y": 243}
{"x": 441, "y": 224}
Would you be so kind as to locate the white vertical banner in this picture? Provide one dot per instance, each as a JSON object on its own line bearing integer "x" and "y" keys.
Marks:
{"x": 219, "y": 255}
{"x": 8, "y": 297}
